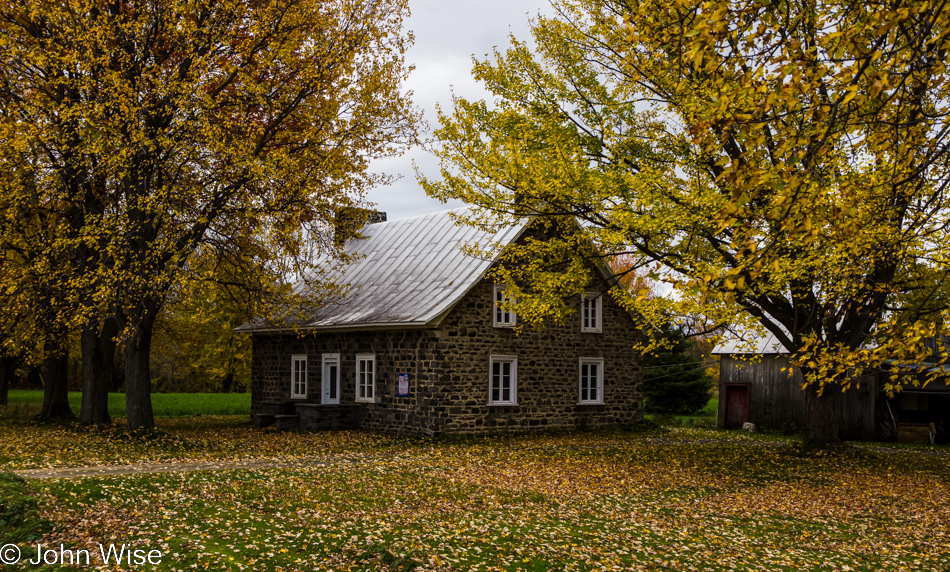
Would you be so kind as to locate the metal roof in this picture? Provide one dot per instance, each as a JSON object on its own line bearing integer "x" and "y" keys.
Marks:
{"x": 407, "y": 272}
{"x": 753, "y": 344}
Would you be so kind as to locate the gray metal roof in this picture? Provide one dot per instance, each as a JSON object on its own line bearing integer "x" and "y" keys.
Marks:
{"x": 752, "y": 344}
{"x": 408, "y": 272}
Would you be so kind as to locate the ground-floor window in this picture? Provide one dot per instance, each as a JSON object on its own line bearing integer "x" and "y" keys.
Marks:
{"x": 366, "y": 378}
{"x": 298, "y": 376}
{"x": 503, "y": 380}
{"x": 591, "y": 382}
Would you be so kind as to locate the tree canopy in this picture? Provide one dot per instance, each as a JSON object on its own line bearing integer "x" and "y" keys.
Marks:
{"x": 782, "y": 165}
{"x": 145, "y": 130}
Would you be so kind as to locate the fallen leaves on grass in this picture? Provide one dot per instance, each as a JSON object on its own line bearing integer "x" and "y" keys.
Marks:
{"x": 689, "y": 500}
{"x": 176, "y": 440}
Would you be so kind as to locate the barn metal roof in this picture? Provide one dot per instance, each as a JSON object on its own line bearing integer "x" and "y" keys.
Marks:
{"x": 752, "y": 344}
{"x": 407, "y": 272}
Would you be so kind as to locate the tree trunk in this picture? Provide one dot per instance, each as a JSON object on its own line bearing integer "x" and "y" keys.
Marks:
{"x": 228, "y": 382}
{"x": 138, "y": 376}
{"x": 55, "y": 383}
{"x": 98, "y": 358}
{"x": 7, "y": 371}
{"x": 822, "y": 425}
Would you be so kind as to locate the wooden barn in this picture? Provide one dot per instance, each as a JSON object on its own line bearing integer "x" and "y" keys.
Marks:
{"x": 755, "y": 386}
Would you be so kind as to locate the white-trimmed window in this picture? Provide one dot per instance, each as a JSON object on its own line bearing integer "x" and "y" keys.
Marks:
{"x": 591, "y": 381}
{"x": 366, "y": 378}
{"x": 503, "y": 380}
{"x": 298, "y": 376}
{"x": 592, "y": 312}
{"x": 503, "y": 315}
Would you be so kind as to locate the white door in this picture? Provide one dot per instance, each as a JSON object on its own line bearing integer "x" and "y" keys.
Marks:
{"x": 331, "y": 379}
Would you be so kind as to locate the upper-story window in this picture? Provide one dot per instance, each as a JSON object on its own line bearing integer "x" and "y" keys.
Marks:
{"x": 298, "y": 376}
{"x": 503, "y": 314}
{"x": 592, "y": 312}
{"x": 366, "y": 378}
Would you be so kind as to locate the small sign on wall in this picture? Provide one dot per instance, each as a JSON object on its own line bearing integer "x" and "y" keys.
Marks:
{"x": 403, "y": 384}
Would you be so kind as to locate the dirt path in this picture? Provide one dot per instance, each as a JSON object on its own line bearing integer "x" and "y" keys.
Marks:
{"x": 190, "y": 466}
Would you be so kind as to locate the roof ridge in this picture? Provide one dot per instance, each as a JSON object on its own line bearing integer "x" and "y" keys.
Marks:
{"x": 408, "y": 218}
{"x": 410, "y": 272}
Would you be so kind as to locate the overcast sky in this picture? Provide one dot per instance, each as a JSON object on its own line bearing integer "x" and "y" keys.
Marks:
{"x": 448, "y": 33}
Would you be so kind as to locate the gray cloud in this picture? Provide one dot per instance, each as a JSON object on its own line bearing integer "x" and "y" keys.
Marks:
{"x": 447, "y": 34}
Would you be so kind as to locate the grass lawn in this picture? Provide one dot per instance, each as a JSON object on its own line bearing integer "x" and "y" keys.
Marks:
{"x": 711, "y": 408}
{"x": 706, "y": 417}
{"x": 163, "y": 404}
{"x": 682, "y": 499}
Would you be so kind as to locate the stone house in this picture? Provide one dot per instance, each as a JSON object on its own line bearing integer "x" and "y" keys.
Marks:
{"x": 421, "y": 346}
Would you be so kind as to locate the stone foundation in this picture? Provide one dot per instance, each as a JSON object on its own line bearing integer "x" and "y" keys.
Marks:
{"x": 287, "y": 422}
{"x": 317, "y": 417}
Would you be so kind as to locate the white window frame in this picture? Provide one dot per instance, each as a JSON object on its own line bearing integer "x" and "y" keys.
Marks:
{"x": 294, "y": 360}
{"x": 502, "y": 318}
{"x": 367, "y": 381}
{"x": 596, "y": 300}
{"x": 513, "y": 383}
{"x": 599, "y": 380}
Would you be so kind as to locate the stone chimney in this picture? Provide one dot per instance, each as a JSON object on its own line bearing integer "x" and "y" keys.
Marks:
{"x": 350, "y": 220}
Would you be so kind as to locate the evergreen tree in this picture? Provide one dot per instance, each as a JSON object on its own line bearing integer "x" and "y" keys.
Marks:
{"x": 675, "y": 382}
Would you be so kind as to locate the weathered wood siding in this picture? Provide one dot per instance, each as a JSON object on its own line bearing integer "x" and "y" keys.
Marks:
{"x": 858, "y": 409}
{"x": 778, "y": 402}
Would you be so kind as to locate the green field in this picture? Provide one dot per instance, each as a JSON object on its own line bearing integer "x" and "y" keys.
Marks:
{"x": 706, "y": 417}
{"x": 711, "y": 408}
{"x": 163, "y": 404}
{"x": 677, "y": 499}
{"x": 189, "y": 404}
{"x": 706, "y": 412}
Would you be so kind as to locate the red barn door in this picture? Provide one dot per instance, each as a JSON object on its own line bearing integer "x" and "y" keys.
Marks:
{"x": 737, "y": 405}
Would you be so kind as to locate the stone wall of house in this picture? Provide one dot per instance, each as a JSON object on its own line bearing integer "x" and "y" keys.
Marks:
{"x": 270, "y": 371}
{"x": 547, "y": 371}
{"x": 408, "y": 351}
{"x": 449, "y": 372}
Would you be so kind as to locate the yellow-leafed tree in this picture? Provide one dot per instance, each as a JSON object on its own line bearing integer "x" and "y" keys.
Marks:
{"x": 783, "y": 165}
{"x": 195, "y": 339}
{"x": 148, "y": 129}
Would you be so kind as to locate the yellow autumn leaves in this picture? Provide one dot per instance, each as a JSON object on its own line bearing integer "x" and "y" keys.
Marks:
{"x": 144, "y": 146}
{"x": 782, "y": 167}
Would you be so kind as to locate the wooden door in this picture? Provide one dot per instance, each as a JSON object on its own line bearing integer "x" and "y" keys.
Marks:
{"x": 737, "y": 405}
{"x": 331, "y": 379}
